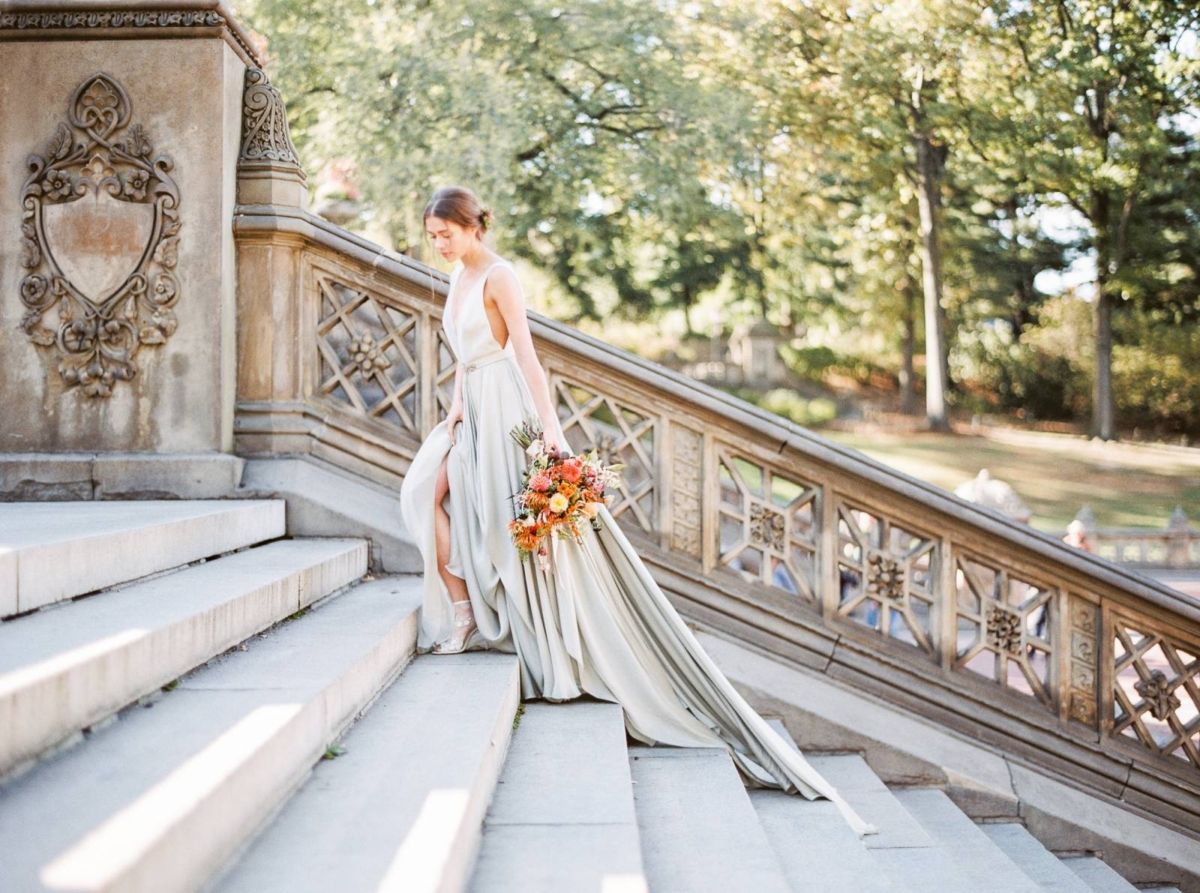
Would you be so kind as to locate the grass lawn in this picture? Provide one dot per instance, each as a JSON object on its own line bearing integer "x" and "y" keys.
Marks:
{"x": 1126, "y": 485}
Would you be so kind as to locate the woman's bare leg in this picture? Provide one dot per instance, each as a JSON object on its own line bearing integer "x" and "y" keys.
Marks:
{"x": 441, "y": 524}
{"x": 464, "y": 618}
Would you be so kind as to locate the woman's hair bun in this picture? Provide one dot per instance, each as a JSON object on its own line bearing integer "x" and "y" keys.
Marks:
{"x": 459, "y": 204}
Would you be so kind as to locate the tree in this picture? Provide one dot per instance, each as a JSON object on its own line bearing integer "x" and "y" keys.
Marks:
{"x": 569, "y": 119}
{"x": 1106, "y": 89}
{"x": 876, "y": 90}
{"x": 827, "y": 164}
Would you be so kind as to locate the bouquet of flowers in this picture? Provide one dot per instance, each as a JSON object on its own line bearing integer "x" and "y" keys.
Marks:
{"x": 560, "y": 491}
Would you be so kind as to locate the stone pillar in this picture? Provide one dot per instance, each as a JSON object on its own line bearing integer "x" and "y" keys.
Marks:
{"x": 118, "y": 178}
{"x": 1179, "y": 535}
{"x": 756, "y": 350}
{"x": 272, "y": 327}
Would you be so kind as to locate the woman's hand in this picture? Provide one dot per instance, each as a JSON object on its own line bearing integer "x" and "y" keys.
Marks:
{"x": 550, "y": 438}
{"x": 453, "y": 417}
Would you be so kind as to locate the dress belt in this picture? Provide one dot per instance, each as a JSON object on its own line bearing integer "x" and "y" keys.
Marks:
{"x": 491, "y": 356}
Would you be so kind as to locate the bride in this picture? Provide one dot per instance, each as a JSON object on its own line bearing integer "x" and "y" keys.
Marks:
{"x": 595, "y": 623}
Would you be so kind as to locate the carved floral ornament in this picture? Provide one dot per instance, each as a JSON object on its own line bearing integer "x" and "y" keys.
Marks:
{"x": 366, "y": 356}
{"x": 767, "y": 527}
{"x": 266, "y": 140}
{"x": 144, "y": 21}
{"x": 99, "y": 238}
{"x": 885, "y": 577}
{"x": 111, "y": 19}
{"x": 1004, "y": 628}
{"x": 1157, "y": 693}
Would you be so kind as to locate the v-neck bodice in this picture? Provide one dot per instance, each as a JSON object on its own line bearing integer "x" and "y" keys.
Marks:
{"x": 465, "y": 322}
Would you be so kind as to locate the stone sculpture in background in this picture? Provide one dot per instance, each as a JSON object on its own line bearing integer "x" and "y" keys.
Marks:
{"x": 99, "y": 238}
{"x": 991, "y": 493}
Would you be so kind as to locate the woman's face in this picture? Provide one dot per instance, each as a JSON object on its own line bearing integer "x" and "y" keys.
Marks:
{"x": 449, "y": 239}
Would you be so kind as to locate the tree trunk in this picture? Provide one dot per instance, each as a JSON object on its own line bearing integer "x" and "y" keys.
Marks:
{"x": 1103, "y": 414}
{"x": 760, "y": 255}
{"x": 1022, "y": 301}
{"x": 943, "y": 328}
{"x": 907, "y": 372}
{"x": 1023, "y": 292}
{"x": 688, "y": 301}
{"x": 930, "y": 161}
{"x": 413, "y": 231}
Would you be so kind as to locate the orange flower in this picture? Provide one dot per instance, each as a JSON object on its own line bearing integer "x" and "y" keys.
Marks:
{"x": 557, "y": 501}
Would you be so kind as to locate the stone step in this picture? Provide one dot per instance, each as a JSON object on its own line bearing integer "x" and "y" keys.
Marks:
{"x": 324, "y": 500}
{"x": 1098, "y": 875}
{"x": 977, "y": 858}
{"x": 563, "y": 816}
{"x": 818, "y": 851}
{"x": 51, "y": 551}
{"x": 698, "y": 828}
{"x": 815, "y": 846}
{"x": 367, "y": 820}
{"x": 906, "y": 749}
{"x": 906, "y": 853}
{"x": 872, "y": 800}
{"x": 1039, "y": 864}
{"x": 65, "y": 669}
{"x": 161, "y": 798}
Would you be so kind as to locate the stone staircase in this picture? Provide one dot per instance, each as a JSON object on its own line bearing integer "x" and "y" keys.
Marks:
{"x": 172, "y": 674}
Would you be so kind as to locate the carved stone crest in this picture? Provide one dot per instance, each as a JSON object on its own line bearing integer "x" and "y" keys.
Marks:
{"x": 99, "y": 238}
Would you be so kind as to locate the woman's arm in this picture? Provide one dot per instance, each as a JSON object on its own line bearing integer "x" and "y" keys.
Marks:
{"x": 458, "y": 385}
{"x": 456, "y": 402}
{"x": 505, "y": 290}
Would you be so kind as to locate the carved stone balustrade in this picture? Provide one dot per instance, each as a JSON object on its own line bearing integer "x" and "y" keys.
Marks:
{"x": 757, "y": 528}
{"x": 1175, "y": 546}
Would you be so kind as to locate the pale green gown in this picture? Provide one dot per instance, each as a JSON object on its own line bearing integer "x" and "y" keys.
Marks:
{"x": 596, "y": 623}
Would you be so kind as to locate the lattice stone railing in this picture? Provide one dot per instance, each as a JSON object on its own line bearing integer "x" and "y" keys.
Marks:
{"x": 1178, "y": 546}
{"x": 755, "y": 526}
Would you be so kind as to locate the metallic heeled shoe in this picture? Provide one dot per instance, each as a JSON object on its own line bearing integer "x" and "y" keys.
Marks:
{"x": 462, "y": 620}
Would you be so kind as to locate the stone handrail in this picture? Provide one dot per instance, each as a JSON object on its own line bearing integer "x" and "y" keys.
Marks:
{"x": 757, "y": 528}
{"x": 1149, "y": 548}
{"x": 1175, "y": 546}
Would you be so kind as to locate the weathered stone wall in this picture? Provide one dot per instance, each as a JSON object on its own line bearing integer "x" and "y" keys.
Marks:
{"x": 185, "y": 94}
